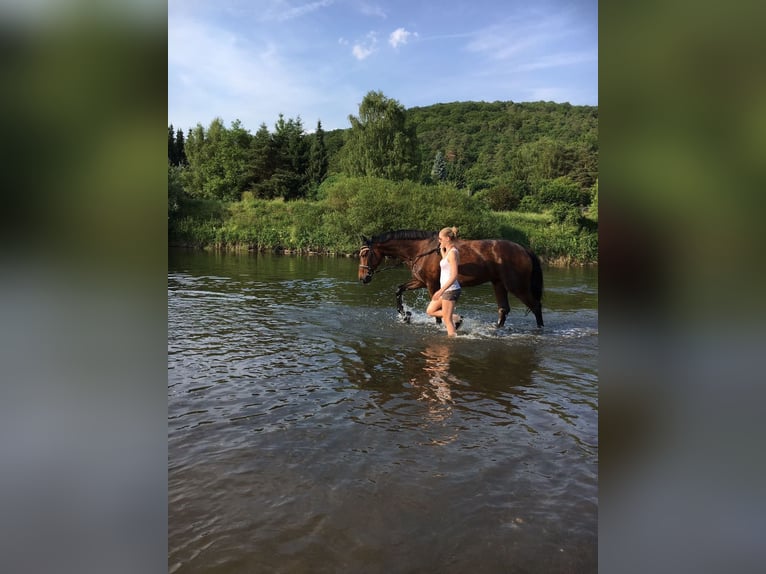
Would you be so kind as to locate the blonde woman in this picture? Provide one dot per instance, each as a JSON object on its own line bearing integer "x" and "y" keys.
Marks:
{"x": 443, "y": 302}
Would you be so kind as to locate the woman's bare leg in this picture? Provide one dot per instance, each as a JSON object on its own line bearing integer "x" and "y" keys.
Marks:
{"x": 446, "y": 313}
{"x": 434, "y": 308}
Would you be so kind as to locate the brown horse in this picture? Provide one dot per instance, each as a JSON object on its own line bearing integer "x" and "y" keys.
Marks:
{"x": 507, "y": 265}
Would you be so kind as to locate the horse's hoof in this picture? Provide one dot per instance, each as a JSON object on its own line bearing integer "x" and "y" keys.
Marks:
{"x": 459, "y": 322}
{"x": 407, "y": 317}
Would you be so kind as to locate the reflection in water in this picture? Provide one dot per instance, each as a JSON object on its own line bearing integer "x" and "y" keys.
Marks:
{"x": 304, "y": 434}
{"x": 436, "y": 380}
{"x": 435, "y": 384}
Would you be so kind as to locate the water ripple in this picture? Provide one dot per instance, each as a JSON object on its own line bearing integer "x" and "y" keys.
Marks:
{"x": 307, "y": 425}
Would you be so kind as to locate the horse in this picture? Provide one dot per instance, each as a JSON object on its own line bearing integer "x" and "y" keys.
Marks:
{"x": 509, "y": 266}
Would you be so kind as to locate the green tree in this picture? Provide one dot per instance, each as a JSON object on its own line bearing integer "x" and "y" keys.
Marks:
{"x": 380, "y": 142}
{"x": 289, "y": 179}
{"x": 279, "y": 161}
{"x": 263, "y": 162}
{"x": 439, "y": 168}
{"x": 218, "y": 161}
{"x": 175, "y": 190}
{"x": 171, "y": 146}
{"x": 180, "y": 148}
{"x": 318, "y": 161}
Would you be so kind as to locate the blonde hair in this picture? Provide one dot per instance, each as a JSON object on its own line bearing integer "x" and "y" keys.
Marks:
{"x": 450, "y": 232}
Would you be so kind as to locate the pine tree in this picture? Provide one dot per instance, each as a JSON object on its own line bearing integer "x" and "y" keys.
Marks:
{"x": 318, "y": 160}
{"x": 180, "y": 151}
{"x": 292, "y": 158}
{"x": 171, "y": 146}
{"x": 439, "y": 169}
{"x": 262, "y": 162}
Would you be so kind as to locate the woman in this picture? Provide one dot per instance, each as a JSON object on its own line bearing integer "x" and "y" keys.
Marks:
{"x": 444, "y": 300}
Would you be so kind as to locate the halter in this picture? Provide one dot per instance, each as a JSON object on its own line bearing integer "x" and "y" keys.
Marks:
{"x": 370, "y": 272}
{"x": 362, "y": 252}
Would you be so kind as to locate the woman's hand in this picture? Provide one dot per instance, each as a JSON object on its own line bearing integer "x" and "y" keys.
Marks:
{"x": 438, "y": 295}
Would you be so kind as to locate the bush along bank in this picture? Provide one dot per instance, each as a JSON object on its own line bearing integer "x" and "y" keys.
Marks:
{"x": 347, "y": 208}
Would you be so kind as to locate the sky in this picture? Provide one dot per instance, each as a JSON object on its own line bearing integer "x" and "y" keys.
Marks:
{"x": 251, "y": 60}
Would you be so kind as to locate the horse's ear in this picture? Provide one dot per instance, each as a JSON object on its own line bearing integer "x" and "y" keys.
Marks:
{"x": 365, "y": 240}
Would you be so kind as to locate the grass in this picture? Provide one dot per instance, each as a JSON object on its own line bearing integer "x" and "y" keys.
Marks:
{"x": 334, "y": 224}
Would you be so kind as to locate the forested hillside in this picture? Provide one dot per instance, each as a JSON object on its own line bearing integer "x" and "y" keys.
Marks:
{"x": 516, "y": 143}
{"x": 534, "y": 157}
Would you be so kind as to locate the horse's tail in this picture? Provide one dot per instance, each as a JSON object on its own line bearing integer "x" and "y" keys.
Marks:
{"x": 536, "y": 281}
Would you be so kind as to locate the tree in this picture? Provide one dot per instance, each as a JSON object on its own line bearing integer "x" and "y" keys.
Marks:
{"x": 380, "y": 143}
{"x": 439, "y": 169}
{"x": 262, "y": 162}
{"x": 318, "y": 161}
{"x": 218, "y": 159}
{"x": 292, "y": 158}
{"x": 180, "y": 148}
{"x": 279, "y": 161}
{"x": 171, "y": 146}
{"x": 175, "y": 190}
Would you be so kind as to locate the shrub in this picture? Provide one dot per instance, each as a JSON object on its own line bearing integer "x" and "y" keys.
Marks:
{"x": 530, "y": 204}
{"x": 561, "y": 190}
{"x": 566, "y": 214}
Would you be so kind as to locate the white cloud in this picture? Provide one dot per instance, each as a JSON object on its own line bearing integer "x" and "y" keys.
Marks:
{"x": 361, "y": 52}
{"x": 526, "y": 35}
{"x": 559, "y": 60}
{"x": 400, "y": 36}
{"x": 371, "y": 9}
{"x": 364, "y": 49}
{"x": 280, "y": 12}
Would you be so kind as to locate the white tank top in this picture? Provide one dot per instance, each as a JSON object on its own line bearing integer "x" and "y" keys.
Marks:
{"x": 444, "y": 265}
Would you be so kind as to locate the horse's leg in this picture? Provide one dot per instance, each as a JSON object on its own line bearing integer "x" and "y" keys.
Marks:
{"x": 532, "y": 292}
{"x": 503, "y": 308}
{"x": 404, "y": 316}
{"x": 414, "y": 284}
{"x": 533, "y": 304}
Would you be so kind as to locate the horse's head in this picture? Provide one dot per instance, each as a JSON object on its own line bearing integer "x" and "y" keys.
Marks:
{"x": 369, "y": 260}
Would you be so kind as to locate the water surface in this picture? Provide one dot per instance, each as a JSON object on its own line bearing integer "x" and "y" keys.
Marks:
{"x": 311, "y": 431}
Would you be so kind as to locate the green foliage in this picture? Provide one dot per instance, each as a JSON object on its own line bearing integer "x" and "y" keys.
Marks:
{"x": 504, "y": 196}
{"x": 530, "y": 204}
{"x": 318, "y": 161}
{"x": 218, "y": 161}
{"x": 532, "y": 141}
{"x": 565, "y": 213}
{"x": 372, "y": 205}
{"x": 175, "y": 190}
{"x": 380, "y": 143}
{"x": 554, "y": 241}
{"x": 320, "y": 191}
{"x": 562, "y": 190}
{"x": 280, "y": 162}
{"x": 439, "y": 168}
{"x": 352, "y": 207}
{"x": 176, "y": 145}
{"x": 592, "y": 211}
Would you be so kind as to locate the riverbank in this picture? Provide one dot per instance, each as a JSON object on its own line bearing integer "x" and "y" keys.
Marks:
{"x": 334, "y": 224}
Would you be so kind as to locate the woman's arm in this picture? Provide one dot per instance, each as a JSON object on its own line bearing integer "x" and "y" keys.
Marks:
{"x": 453, "y": 257}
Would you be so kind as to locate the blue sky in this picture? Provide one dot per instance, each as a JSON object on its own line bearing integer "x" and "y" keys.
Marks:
{"x": 316, "y": 59}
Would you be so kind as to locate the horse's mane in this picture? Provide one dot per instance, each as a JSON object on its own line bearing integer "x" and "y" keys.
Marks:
{"x": 403, "y": 234}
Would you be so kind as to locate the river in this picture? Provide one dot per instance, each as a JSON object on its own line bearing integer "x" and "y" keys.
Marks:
{"x": 309, "y": 430}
